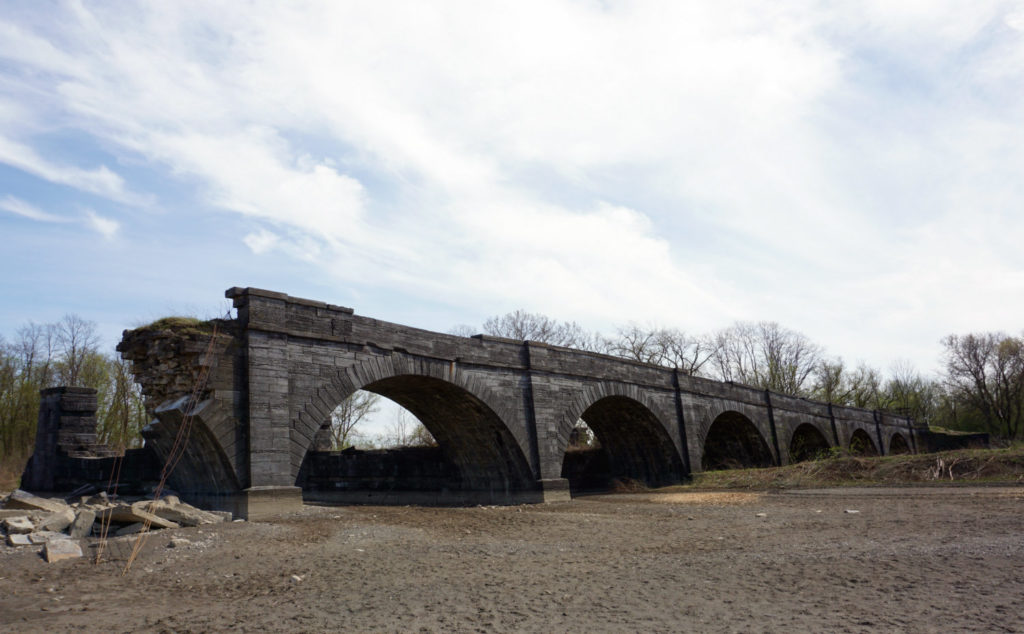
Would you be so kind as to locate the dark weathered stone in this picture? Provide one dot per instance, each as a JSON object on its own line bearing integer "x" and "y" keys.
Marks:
{"x": 250, "y": 398}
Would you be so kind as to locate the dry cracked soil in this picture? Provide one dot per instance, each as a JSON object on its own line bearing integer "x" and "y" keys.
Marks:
{"x": 909, "y": 559}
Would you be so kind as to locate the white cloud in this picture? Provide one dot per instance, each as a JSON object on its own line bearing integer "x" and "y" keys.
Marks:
{"x": 818, "y": 164}
{"x": 106, "y": 227}
{"x": 26, "y": 210}
{"x": 261, "y": 241}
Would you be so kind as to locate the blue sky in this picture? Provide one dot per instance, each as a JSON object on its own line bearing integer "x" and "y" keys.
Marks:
{"x": 852, "y": 172}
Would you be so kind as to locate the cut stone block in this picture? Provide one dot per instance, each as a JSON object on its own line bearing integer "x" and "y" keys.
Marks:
{"x": 18, "y": 540}
{"x": 60, "y": 549}
{"x": 24, "y": 500}
{"x": 19, "y": 525}
{"x": 58, "y": 521}
{"x": 82, "y": 526}
{"x": 124, "y": 514}
{"x": 7, "y": 513}
{"x": 45, "y": 537}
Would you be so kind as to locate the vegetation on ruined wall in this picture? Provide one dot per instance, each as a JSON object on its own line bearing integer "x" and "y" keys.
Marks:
{"x": 62, "y": 353}
{"x": 179, "y": 324}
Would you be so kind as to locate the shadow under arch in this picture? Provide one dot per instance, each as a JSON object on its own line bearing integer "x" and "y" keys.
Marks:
{"x": 471, "y": 437}
{"x": 733, "y": 441}
{"x": 201, "y": 469}
{"x": 898, "y": 445}
{"x": 633, "y": 446}
{"x": 862, "y": 445}
{"x": 808, "y": 443}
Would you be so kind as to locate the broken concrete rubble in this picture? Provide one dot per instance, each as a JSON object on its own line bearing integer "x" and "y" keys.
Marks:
{"x": 60, "y": 549}
{"x": 44, "y": 537}
{"x": 24, "y": 500}
{"x": 175, "y": 511}
{"x": 30, "y": 520}
{"x": 125, "y": 514}
{"x": 17, "y": 539}
{"x": 82, "y": 526}
{"x": 57, "y": 521}
{"x": 19, "y": 525}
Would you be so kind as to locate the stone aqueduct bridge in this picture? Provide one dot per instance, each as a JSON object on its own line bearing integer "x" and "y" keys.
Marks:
{"x": 502, "y": 411}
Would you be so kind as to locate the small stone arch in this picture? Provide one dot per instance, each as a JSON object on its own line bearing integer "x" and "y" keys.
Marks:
{"x": 807, "y": 443}
{"x": 861, "y": 444}
{"x": 898, "y": 444}
{"x": 465, "y": 418}
{"x": 733, "y": 441}
{"x": 634, "y": 440}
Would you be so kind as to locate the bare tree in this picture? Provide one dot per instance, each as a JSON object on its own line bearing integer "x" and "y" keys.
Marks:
{"x": 123, "y": 411}
{"x": 525, "y": 326}
{"x": 462, "y": 330}
{"x": 865, "y": 387}
{"x": 831, "y": 383}
{"x": 76, "y": 341}
{"x": 766, "y": 355}
{"x": 405, "y": 430}
{"x": 348, "y": 414}
{"x": 909, "y": 393}
{"x": 663, "y": 346}
{"x": 986, "y": 372}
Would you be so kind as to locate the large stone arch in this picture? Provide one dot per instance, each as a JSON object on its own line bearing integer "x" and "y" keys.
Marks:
{"x": 807, "y": 442}
{"x": 466, "y": 418}
{"x": 861, "y": 443}
{"x": 635, "y": 440}
{"x": 733, "y": 440}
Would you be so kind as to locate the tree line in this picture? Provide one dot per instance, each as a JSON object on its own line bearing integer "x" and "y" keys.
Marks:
{"x": 63, "y": 353}
{"x": 980, "y": 386}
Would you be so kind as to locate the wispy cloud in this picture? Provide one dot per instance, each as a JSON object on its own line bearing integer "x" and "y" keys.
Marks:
{"x": 100, "y": 181}
{"x": 106, "y": 227}
{"x": 26, "y": 210}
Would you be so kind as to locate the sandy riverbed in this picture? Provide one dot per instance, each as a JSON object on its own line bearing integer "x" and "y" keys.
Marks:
{"x": 916, "y": 560}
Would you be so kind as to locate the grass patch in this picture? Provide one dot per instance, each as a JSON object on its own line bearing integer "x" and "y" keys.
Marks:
{"x": 184, "y": 325}
{"x": 960, "y": 466}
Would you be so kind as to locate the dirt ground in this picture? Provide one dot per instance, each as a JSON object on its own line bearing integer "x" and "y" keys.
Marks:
{"x": 910, "y": 559}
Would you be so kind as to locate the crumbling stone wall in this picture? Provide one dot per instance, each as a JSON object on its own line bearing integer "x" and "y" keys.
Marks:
{"x": 68, "y": 454}
{"x": 167, "y": 361}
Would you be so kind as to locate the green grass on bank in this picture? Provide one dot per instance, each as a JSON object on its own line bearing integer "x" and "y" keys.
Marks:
{"x": 962, "y": 466}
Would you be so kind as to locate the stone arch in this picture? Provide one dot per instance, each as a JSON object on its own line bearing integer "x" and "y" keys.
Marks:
{"x": 861, "y": 444}
{"x": 203, "y": 465}
{"x": 807, "y": 443}
{"x": 733, "y": 441}
{"x": 898, "y": 444}
{"x": 634, "y": 441}
{"x": 464, "y": 416}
